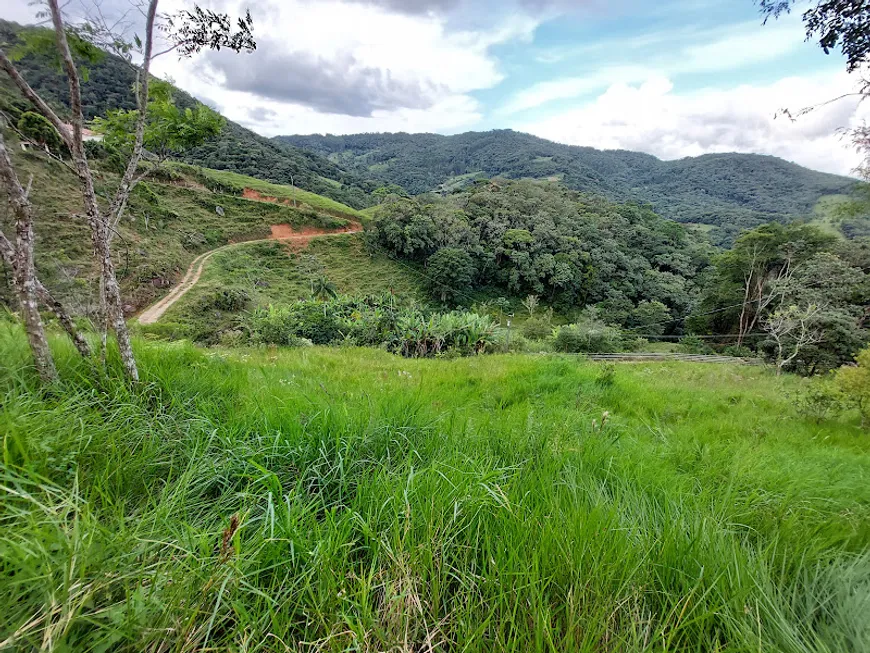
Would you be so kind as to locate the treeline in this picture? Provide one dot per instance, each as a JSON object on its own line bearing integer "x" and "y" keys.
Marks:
{"x": 795, "y": 294}
{"x": 529, "y": 237}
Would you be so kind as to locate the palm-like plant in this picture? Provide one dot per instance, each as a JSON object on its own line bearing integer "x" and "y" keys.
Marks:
{"x": 322, "y": 288}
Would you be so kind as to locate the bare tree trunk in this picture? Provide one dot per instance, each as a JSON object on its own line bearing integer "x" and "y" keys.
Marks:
{"x": 129, "y": 179}
{"x": 741, "y": 331}
{"x": 23, "y": 271}
{"x": 97, "y": 222}
{"x": 25, "y": 282}
{"x": 7, "y": 254}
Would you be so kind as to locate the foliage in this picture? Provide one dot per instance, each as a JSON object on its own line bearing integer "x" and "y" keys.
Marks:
{"x": 469, "y": 500}
{"x": 203, "y": 28}
{"x": 650, "y": 318}
{"x": 282, "y": 325}
{"x": 226, "y": 299}
{"x": 819, "y": 400}
{"x": 110, "y": 87}
{"x": 40, "y": 44}
{"x": 169, "y": 129}
{"x": 37, "y": 128}
{"x": 842, "y": 23}
{"x": 730, "y": 191}
{"x": 853, "y": 382}
{"x": 451, "y": 272}
{"x": 538, "y": 238}
{"x": 372, "y": 321}
{"x": 776, "y": 266}
{"x": 531, "y": 302}
{"x": 536, "y": 328}
{"x": 692, "y": 344}
{"x": 589, "y": 336}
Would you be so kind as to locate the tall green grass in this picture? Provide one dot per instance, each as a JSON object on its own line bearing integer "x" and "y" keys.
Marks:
{"x": 237, "y": 183}
{"x": 492, "y": 503}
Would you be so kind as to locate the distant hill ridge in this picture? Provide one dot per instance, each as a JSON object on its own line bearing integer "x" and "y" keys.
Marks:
{"x": 237, "y": 149}
{"x": 727, "y": 190}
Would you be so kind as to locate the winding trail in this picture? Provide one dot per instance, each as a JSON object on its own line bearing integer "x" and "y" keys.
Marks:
{"x": 280, "y": 233}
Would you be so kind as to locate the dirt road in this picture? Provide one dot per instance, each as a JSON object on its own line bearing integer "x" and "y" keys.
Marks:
{"x": 281, "y": 233}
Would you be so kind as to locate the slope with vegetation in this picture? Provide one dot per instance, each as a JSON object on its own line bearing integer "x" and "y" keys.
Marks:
{"x": 247, "y": 277}
{"x": 170, "y": 220}
{"x": 731, "y": 191}
{"x": 110, "y": 86}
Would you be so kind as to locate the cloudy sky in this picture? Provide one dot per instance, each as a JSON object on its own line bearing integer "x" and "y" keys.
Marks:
{"x": 673, "y": 78}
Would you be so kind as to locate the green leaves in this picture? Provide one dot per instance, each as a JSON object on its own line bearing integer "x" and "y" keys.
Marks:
{"x": 168, "y": 130}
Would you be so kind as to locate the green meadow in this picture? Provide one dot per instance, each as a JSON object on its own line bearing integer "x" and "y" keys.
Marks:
{"x": 341, "y": 499}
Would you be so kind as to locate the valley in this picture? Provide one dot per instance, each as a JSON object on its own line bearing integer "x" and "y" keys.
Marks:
{"x": 410, "y": 392}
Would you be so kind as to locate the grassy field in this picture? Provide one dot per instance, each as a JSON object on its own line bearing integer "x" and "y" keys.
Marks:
{"x": 341, "y": 499}
{"x": 166, "y": 227}
{"x": 270, "y": 273}
{"x": 238, "y": 183}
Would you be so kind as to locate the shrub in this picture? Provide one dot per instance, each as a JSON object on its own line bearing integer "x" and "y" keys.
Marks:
{"x": 588, "y": 336}
{"x": 853, "y": 382}
{"x": 310, "y": 320}
{"x": 692, "y": 344}
{"x": 536, "y": 328}
{"x": 227, "y": 299}
{"x": 39, "y": 130}
{"x": 741, "y": 351}
{"x": 818, "y": 400}
{"x": 606, "y": 376}
{"x": 232, "y": 338}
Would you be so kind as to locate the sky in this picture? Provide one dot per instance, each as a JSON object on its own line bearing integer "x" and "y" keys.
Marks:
{"x": 672, "y": 78}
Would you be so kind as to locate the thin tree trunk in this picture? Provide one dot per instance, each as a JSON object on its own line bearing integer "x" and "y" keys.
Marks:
{"x": 96, "y": 221}
{"x": 23, "y": 271}
{"x": 741, "y": 332}
{"x": 7, "y": 254}
{"x": 129, "y": 180}
{"x": 25, "y": 282}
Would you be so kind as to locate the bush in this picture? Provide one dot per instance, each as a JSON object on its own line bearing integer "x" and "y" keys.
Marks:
{"x": 232, "y": 338}
{"x": 228, "y": 299}
{"x": 39, "y": 130}
{"x": 606, "y": 376}
{"x": 282, "y": 325}
{"x": 589, "y": 337}
{"x": 741, "y": 351}
{"x": 818, "y": 400}
{"x": 853, "y": 382}
{"x": 536, "y": 328}
{"x": 692, "y": 344}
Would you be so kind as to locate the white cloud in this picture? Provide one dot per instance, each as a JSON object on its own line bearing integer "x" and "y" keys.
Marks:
{"x": 454, "y": 113}
{"x": 651, "y": 117}
{"x": 379, "y": 48}
{"x": 684, "y": 50}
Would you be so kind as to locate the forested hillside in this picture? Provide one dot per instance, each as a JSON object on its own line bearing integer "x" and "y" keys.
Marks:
{"x": 110, "y": 86}
{"x": 733, "y": 191}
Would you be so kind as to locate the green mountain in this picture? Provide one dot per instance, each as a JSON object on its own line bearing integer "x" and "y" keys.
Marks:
{"x": 732, "y": 191}
{"x": 110, "y": 86}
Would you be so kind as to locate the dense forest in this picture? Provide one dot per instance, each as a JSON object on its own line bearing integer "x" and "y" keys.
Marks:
{"x": 732, "y": 191}
{"x": 110, "y": 86}
{"x": 541, "y": 238}
{"x": 621, "y": 265}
